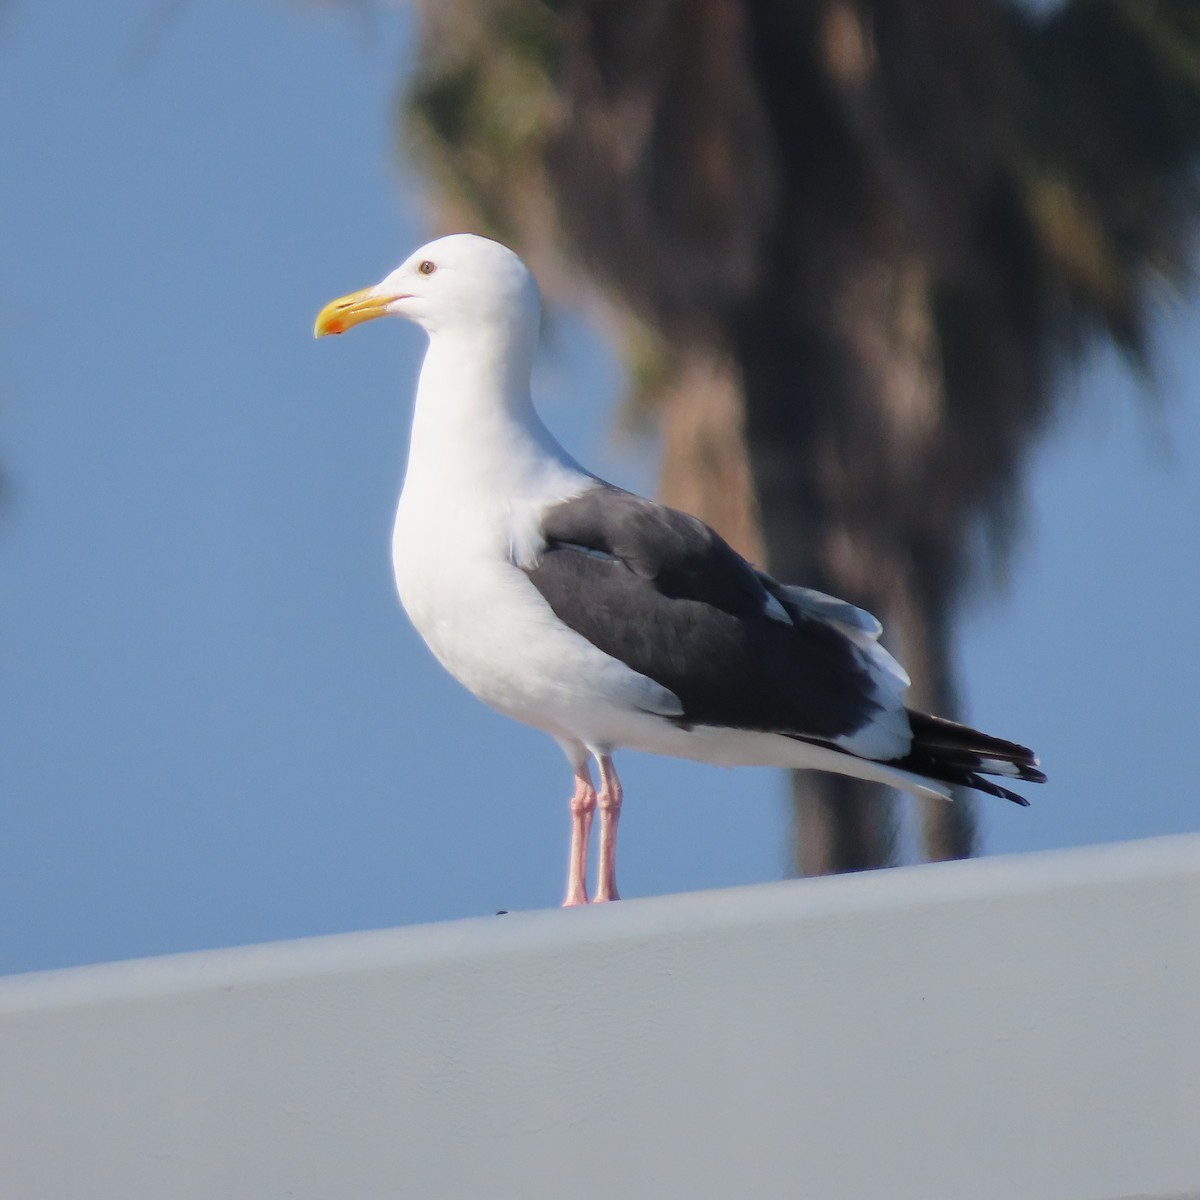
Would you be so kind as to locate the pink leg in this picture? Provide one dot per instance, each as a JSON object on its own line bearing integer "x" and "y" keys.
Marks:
{"x": 610, "y": 812}
{"x": 583, "y": 805}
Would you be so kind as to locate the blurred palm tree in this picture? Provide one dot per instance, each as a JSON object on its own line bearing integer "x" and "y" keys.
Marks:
{"x": 843, "y": 246}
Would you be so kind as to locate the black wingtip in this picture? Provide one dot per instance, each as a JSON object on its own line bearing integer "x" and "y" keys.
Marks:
{"x": 955, "y": 753}
{"x": 995, "y": 789}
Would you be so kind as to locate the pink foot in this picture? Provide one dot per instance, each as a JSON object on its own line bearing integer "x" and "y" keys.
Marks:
{"x": 583, "y": 805}
{"x": 609, "y": 803}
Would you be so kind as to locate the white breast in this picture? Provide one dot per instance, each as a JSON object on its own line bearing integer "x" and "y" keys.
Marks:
{"x": 456, "y": 571}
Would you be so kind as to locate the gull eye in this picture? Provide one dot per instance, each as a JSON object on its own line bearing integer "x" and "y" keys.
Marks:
{"x": 427, "y": 267}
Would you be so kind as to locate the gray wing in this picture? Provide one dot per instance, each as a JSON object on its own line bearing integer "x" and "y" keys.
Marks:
{"x": 663, "y": 593}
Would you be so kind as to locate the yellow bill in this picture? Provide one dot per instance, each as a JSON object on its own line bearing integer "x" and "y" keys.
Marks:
{"x": 344, "y": 313}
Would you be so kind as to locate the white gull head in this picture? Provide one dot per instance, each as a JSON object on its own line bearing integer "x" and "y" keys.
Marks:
{"x": 458, "y": 283}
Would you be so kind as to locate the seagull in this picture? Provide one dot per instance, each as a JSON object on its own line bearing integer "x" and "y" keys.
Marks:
{"x": 604, "y": 619}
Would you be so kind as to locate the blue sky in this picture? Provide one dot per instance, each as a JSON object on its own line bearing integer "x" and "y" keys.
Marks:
{"x": 217, "y": 725}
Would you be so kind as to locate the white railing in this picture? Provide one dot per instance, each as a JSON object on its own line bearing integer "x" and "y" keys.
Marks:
{"x": 1012, "y": 1027}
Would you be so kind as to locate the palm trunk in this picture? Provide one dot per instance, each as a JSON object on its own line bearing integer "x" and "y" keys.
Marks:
{"x": 855, "y": 325}
{"x": 828, "y": 488}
